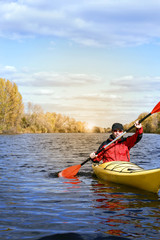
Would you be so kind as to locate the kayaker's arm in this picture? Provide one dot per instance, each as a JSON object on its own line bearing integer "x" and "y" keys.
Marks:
{"x": 135, "y": 138}
{"x": 129, "y": 142}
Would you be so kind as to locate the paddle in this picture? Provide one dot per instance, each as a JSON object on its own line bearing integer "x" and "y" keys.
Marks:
{"x": 73, "y": 170}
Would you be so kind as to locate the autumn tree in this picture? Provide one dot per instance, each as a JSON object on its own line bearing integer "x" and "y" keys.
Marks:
{"x": 11, "y": 106}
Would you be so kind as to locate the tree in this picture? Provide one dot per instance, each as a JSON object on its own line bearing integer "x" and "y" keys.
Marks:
{"x": 11, "y": 106}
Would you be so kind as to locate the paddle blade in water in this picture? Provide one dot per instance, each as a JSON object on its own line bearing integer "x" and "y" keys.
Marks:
{"x": 70, "y": 171}
{"x": 156, "y": 109}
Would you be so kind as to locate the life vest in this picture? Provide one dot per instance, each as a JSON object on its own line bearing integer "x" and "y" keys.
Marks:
{"x": 115, "y": 152}
{"x": 119, "y": 150}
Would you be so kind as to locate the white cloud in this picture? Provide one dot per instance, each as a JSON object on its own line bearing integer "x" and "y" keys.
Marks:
{"x": 51, "y": 79}
{"x": 92, "y": 22}
{"x": 86, "y": 96}
{"x": 135, "y": 84}
{"x": 8, "y": 69}
{"x": 27, "y": 78}
{"x": 115, "y": 89}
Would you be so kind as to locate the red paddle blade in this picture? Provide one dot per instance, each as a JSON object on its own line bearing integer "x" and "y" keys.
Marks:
{"x": 156, "y": 108}
{"x": 70, "y": 171}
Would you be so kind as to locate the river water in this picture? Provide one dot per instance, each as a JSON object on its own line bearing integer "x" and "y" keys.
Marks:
{"x": 36, "y": 204}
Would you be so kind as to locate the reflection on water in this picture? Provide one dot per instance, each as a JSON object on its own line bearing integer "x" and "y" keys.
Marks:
{"x": 36, "y": 204}
{"x": 131, "y": 210}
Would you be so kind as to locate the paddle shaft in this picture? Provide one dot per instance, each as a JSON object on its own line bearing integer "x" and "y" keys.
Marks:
{"x": 114, "y": 140}
{"x": 73, "y": 170}
{"x": 129, "y": 129}
{"x": 88, "y": 159}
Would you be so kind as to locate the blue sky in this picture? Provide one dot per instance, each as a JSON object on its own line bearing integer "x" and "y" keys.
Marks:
{"x": 96, "y": 60}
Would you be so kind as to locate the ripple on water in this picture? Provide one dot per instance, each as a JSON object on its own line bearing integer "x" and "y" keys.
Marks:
{"x": 35, "y": 203}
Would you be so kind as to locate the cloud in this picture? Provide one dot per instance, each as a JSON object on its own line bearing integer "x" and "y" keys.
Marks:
{"x": 128, "y": 84}
{"x": 40, "y": 92}
{"x": 92, "y": 22}
{"x": 51, "y": 79}
{"x": 86, "y": 96}
{"x": 103, "y": 114}
{"x": 137, "y": 84}
{"x": 27, "y": 77}
{"x": 115, "y": 91}
{"x": 96, "y": 98}
{"x": 8, "y": 69}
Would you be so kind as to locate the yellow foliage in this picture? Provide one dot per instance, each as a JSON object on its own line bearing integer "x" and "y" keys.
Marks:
{"x": 11, "y": 106}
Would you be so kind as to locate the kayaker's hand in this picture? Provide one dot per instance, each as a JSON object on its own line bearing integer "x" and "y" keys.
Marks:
{"x": 137, "y": 124}
{"x": 93, "y": 155}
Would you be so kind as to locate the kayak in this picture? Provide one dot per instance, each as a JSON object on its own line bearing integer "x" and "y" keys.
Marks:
{"x": 129, "y": 174}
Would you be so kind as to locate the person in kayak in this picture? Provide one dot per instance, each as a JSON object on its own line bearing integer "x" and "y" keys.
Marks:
{"x": 119, "y": 150}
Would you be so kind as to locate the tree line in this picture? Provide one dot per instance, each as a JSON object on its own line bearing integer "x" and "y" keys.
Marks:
{"x": 150, "y": 125}
{"x": 36, "y": 121}
{"x": 13, "y": 118}
{"x": 11, "y": 106}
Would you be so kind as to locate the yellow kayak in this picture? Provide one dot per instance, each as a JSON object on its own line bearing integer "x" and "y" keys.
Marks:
{"x": 130, "y": 174}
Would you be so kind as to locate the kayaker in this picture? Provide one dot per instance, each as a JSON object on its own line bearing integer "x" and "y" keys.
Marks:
{"x": 119, "y": 150}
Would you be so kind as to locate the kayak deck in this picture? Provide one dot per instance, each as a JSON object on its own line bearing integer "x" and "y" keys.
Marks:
{"x": 129, "y": 174}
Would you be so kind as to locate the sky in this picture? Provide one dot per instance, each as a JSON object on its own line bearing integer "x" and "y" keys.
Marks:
{"x": 97, "y": 61}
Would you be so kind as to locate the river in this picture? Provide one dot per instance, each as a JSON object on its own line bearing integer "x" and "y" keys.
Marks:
{"x": 36, "y": 204}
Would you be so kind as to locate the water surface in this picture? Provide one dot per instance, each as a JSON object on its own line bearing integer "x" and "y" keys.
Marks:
{"x": 35, "y": 203}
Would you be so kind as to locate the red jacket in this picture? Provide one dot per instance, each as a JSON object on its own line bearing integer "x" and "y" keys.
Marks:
{"x": 119, "y": 150}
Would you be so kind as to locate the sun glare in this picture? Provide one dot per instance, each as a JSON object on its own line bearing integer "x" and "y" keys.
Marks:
{"x": 90, "y": 126}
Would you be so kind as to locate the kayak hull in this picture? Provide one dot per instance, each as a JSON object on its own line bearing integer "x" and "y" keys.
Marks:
{"x": 129, "y": 174}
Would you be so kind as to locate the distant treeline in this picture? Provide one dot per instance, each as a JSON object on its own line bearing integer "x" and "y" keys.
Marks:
{"x": 13, "y": 119}
{"x": 36, "y": 121}
{"x": 150, "y": 125}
